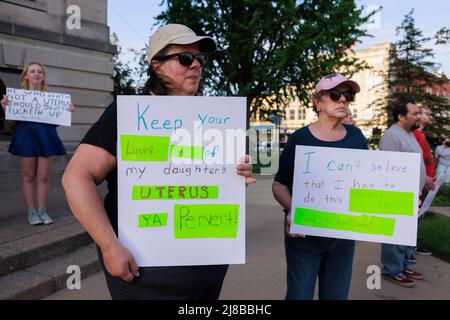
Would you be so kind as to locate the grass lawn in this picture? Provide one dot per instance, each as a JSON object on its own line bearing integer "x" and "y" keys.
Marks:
{"x": 442, "y": 199}
{"x": 434, "y": 234}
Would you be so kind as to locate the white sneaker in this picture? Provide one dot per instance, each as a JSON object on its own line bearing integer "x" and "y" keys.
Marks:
{"x": 45, "y": 217}
{"x": 33, "y": 218}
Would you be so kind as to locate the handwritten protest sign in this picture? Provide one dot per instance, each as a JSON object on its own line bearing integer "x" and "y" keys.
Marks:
{"x": 180, "y": 199}
{"x": 356, "y": 194}
{"x": 430, "y": 196}
{"x": 38, "y": 106}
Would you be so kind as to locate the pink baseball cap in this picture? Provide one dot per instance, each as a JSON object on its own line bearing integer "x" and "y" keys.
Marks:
{"x": 333, "y": 80}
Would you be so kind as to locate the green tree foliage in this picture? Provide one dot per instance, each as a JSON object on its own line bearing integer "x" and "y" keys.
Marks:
{"x": 270, "y": 47}
{"x": 413, "y": 73}
{"x": 443, "y": 36}
{"x": 122, "y": 73}
{"x": 140, "y": 70}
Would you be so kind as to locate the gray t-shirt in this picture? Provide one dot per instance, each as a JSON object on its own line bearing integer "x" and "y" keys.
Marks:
{"x": 398, "y": 139}
{"x": 444, "y": 155}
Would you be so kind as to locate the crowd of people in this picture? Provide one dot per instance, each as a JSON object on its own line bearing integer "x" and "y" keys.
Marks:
{"x": 176, "y": 56}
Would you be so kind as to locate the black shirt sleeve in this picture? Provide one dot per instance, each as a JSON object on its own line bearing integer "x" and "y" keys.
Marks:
{"x": 103, "y": 133}
{"x": 285, "y": 174}
{"x": 360, "y": 141}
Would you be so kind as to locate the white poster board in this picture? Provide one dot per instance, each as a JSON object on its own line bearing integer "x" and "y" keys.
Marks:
{"x": 356, "y": 194}
{"x": 430, "y": 196}
{"x": 180, "y": 199}
{"x": 38, "y": 106}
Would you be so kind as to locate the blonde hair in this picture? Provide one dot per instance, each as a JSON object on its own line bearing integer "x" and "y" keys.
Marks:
{"x": 24, "y": 84}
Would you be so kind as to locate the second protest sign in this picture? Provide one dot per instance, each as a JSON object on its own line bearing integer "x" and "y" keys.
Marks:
{"x": 356, "y": 194}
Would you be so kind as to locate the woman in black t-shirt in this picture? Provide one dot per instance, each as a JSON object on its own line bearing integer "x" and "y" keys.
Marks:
{"x": 176, "y": 56}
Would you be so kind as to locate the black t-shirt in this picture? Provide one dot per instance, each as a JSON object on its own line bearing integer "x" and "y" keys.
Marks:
{"x": 354, "y": 139}
{"x": 103, "y": 134}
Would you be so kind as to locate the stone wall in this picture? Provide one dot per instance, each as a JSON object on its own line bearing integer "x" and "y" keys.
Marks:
{"x": 77, "y": 62}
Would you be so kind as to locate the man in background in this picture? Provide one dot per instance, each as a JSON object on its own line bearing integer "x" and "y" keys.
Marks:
{"x": 399, "y": 138}
{"x": 425, "y": 120}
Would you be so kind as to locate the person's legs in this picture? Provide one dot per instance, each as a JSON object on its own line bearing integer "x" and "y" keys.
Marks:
{"x": 408, "y": 253}
{"x": 447, "y": 172}
{"x": 43, "y": 174}
{"x": 442, "y": 169}
{"x": 392, "y": 258}
{"x": 303, "y": 258}
{"x": 28, "y": 170}
{"x": 217, "y": 275}
{"x": 336, "y": 271}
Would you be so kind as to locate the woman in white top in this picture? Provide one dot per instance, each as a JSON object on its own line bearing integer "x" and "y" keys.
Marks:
{"x": 443, "y": 154}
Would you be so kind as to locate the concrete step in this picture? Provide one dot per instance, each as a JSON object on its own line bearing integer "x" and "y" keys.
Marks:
{"x": 46, "y": 278}
{"x": 47, "y": 243}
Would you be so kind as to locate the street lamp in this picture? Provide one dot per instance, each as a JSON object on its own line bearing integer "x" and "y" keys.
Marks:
{"x": 276, "y": 118}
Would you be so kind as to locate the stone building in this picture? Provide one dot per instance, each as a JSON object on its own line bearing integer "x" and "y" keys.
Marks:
{"x": 366, "y": 106}
{"x": 76, "y": 54}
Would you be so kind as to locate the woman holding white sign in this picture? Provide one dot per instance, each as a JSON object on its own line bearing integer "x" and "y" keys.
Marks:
{"x": 310, "y": 257}
{"x": 35, "y": 143}
{"x": 176, "y": 56}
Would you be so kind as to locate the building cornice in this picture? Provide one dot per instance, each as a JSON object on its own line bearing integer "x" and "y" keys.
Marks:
{"x": 48, "y": 36}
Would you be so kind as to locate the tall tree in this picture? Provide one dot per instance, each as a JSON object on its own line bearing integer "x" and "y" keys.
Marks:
{"x": 413, "y": 74}
{"x": 272, "y": 51}
{"x": 122, "y": 73}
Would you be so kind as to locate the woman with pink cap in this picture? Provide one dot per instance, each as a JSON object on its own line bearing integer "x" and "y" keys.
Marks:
{"x": 176, "y": 56}
{"x": 310, "y": 257}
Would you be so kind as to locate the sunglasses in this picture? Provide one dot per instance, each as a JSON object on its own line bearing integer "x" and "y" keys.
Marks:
{"x": 185, "y": 58}
{"x": 336, "y": 95}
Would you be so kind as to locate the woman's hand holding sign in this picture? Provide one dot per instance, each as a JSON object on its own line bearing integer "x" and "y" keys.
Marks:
{"x": 244, "y": 168}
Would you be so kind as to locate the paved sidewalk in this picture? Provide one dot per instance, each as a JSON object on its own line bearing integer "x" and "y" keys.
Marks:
{"x": 445, "y": 211}
{"x": 263, "y": 275}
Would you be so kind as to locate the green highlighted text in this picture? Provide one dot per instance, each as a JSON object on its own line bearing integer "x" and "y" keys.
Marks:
{"x": 381, "y": 201}
{"x": 144, "y": 148}
{"x": 186, "y": 152}
{"x": 152, "y": 220}
{"x": 328, "y": 220}
{"x": 206, "y": 221}
{"x": 175, "y": 192}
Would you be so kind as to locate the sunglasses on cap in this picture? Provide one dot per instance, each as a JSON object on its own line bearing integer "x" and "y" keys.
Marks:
{"x": 185, "y": 58}
{"x": 336, "y": 95}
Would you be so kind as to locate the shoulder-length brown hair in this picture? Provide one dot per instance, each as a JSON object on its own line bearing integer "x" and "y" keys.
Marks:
{"x": 158, "y": 84}
{"x": 24, "y": 84}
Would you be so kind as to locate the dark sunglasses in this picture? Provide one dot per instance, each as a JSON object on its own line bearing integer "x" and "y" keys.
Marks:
{"x": 336, "y": 95}
{"x": 185, "y": 58}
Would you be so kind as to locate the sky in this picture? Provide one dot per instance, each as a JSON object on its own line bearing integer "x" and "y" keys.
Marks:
{"x": 135, "y": 23}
